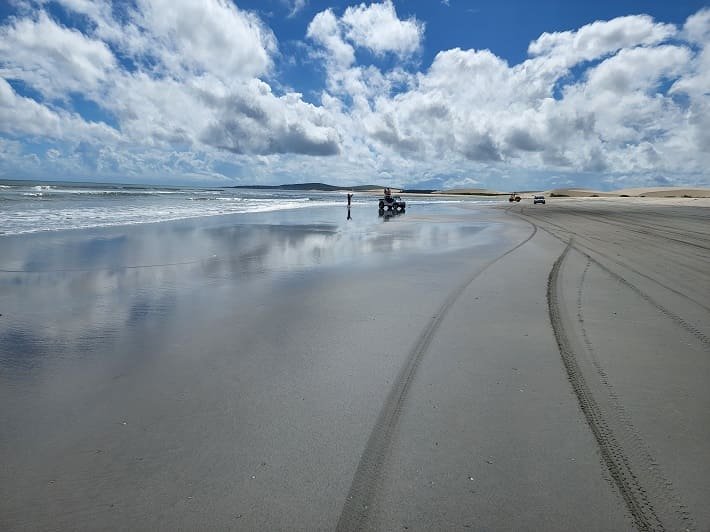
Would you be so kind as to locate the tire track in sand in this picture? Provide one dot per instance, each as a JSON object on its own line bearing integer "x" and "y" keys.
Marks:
{"x": 578, "y": 244}
{"x": 612, "y": 453}
{"x": 675, "y": 318}
{"x": 363, "y": 489}
{"x": 672, "y": 512}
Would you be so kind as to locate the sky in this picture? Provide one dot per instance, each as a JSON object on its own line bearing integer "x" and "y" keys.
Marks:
{"x": 500, "y": 94}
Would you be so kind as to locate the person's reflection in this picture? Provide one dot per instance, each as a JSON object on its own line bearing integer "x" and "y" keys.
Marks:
{"x": 349, "y": 217}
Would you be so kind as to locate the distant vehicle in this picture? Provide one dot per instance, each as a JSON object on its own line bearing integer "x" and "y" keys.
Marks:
{"x": 390, "y": 205}
{"x": 514, "y": 197}
{"x": 538, "y": 199}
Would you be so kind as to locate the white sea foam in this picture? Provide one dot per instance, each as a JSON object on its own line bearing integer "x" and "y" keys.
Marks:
{"x": 55, "y": 219}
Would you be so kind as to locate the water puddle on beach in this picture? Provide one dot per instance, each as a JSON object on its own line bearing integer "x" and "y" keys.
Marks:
{"x": 73, "y": 293}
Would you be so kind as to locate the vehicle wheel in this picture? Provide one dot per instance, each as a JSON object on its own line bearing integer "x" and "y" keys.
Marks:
{"x": 382, "y": 204}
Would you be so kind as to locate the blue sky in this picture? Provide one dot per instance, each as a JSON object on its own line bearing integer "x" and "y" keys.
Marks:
{"x": 505, "y": 94}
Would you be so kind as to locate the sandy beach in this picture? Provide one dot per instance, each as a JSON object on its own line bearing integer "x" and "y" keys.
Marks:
{"x": 464, "y": 366}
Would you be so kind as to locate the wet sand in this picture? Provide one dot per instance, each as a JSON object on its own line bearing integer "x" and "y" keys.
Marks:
{"x": 301, "y": 372}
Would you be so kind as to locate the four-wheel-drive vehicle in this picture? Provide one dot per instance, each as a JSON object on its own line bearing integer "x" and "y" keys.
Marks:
{"x": 538, "y": 199}
{"x": 391, "y": 205}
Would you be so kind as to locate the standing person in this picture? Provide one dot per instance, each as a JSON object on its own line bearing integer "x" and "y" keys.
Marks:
{"x": 350, "y": 197}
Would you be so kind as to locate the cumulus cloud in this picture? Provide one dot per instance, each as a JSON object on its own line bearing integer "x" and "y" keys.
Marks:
{"x": 195, "y": 83}
{"x": 619, "y": 115}
{"x": 186, "y": 80}
{"x": 601, "y": 38}
{"x": 325, "y": 30}
{"x": 256, "y": 121}
{"x": 181, "y": 37}
{"x": 377, "y": 28}
{"x": 52, "y": 59}
{"x": 638, "y": 69}
{"x": 211, "y": 36}
{"x": 697, "y": 28}
{"x": 22, "y": 115}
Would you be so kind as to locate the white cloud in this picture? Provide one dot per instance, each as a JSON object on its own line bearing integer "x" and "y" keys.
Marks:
{"x": 324, "y": 29}
{"x": 696, "y": 83}
{"x": 196, "y": 79}
{"x": 295, "y": 6}
{"x": 617, "y": 117}
{"x": 256, "y": 121}
{"x": 638, "y": 69}
{"x": 180, "y": 38}
{"x": 22, "y": 115}
{"x": 52, "y": 59}
{"x": 189, "y": 85}
{"x": 601, "y": 38}
{"x": 697, "y": 27}
{"x": 377, "y": 28}
{"x": 208, "y": 36}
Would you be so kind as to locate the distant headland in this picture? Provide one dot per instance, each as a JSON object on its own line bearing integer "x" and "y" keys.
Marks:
{"x": 324, "y": 187}
{"x": 650, "y": 192}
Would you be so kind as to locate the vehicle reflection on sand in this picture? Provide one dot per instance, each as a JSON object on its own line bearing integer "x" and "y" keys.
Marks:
{"x": 229, "y": 247}
{"x": 73, "y": 293}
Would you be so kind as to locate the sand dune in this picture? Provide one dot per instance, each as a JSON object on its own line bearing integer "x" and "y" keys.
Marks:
{"x": 472, "y": 191}
{"x": 641, "y": 192}
{"x": 645, "y": 192}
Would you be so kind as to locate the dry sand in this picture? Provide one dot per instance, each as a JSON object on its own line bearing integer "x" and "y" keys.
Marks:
{"x": 641, "y": 192}
{"x": 644, "y": 192}
{"x": 468, "y": 368}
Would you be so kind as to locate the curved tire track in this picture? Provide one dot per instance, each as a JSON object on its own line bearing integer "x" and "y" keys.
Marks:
{"x": 675, "y": 318}
{"x": 577, "y": 245}
{"x": 612, "y": 453}
{"x": 363, "y": 489}
{"x": 659, "y": 488}
{"x": 644, "y": 230}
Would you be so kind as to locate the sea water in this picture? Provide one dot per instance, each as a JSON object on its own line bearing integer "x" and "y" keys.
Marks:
{"x": 30, "y": 206}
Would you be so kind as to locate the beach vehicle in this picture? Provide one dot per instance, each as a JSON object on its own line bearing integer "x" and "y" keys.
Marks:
{"x": 538, "y": 199}
{"x": 389, "y": 205}
{"x": 514, "y": 197}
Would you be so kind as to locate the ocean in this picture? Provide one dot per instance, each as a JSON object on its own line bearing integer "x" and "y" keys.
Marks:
{"x": 32, "y": 206}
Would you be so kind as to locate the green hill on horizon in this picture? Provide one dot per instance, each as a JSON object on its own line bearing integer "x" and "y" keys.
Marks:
{"x": 309, "y": 186}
